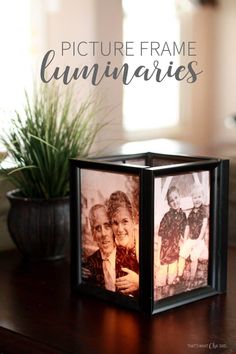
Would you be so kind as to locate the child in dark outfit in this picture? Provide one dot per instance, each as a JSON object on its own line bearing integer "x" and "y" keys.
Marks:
{"x": 171, "y": 230}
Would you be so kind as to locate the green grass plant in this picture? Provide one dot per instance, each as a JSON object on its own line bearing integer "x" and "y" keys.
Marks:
{"x": 51, "y": 129}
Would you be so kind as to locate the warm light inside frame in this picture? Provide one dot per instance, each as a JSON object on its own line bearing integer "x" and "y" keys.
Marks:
{"x": 186, "y": 266}
{"x": 110, "y": 239}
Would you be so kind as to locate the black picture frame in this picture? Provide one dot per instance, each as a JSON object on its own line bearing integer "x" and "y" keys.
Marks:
{"x": 147, "y": 167}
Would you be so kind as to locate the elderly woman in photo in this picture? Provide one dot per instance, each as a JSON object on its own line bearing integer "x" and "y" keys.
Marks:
{"x": 121, "y": 216}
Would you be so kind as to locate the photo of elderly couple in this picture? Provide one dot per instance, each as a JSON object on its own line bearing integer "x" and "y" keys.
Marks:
{"x": 110, "y": 231}
{"x": 181, "y": 240}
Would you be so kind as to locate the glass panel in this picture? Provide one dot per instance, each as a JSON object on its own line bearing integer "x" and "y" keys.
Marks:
{"x": 110, "y": 231}
{"x": 181, "y": 249}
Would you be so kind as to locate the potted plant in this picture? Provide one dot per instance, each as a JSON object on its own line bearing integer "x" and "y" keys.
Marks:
{"x": 40, "y": 142}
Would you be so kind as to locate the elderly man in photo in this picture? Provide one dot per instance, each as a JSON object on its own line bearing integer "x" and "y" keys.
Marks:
{"x": 110, "y": 262}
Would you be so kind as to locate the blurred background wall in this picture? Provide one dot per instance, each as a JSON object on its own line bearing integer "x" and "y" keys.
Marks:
{"x": 205, "y": 107}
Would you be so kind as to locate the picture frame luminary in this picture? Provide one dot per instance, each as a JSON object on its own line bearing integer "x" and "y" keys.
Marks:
{"x": 149, "y": 231}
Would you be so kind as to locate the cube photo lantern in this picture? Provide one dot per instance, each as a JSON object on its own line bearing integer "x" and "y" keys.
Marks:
{"x": 149, "y": 231}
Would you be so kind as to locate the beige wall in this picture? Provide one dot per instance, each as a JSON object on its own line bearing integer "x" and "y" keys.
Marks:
{"x": 224, "y": 60}
{"x": 213, "y": 97}
{"x": 204, "y": 105}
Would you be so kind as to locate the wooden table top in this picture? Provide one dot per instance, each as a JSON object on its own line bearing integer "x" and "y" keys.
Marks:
{"x": 38, "y": 314}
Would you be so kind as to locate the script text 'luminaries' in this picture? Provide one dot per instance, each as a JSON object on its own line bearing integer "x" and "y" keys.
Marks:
{"x": 97, "y": 73}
